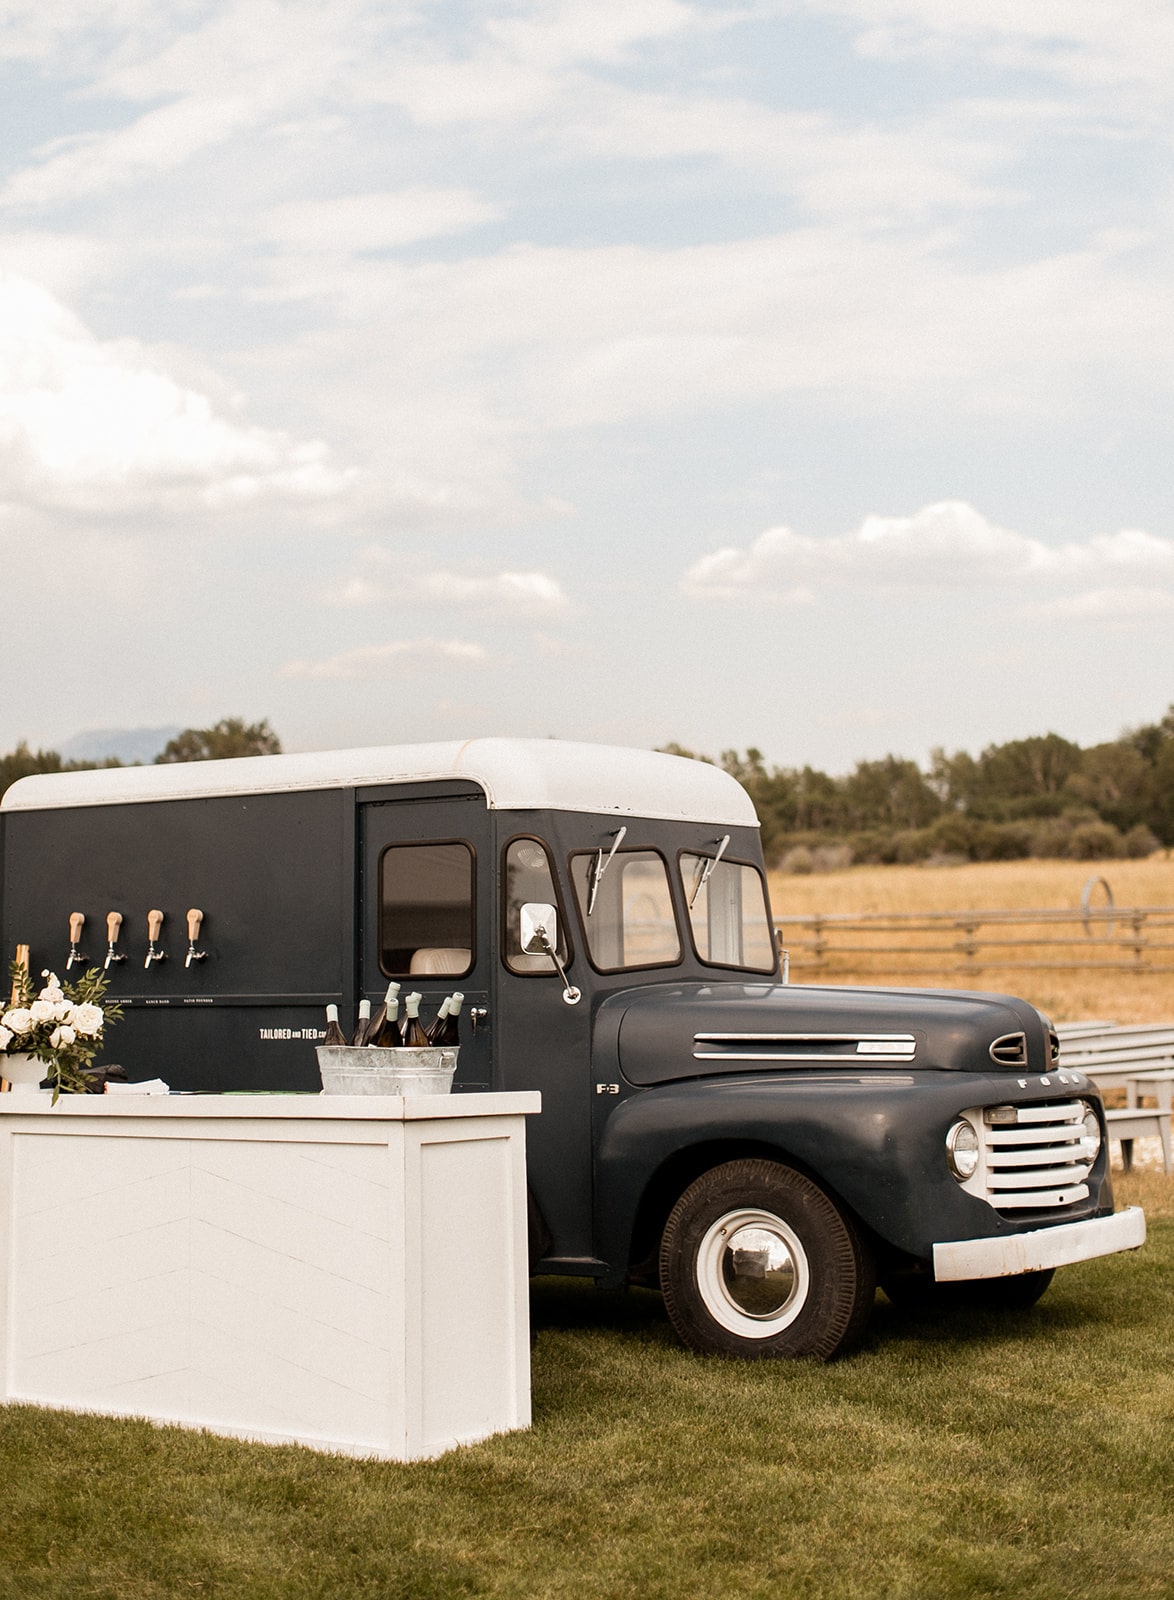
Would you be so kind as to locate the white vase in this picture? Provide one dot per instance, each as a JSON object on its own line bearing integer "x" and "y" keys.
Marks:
{"x": 23, "y": 1072}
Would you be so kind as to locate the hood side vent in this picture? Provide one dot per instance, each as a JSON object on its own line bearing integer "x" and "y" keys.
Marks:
{"x": 1010, "y": 1050}
{"x": 875, "y": 1048}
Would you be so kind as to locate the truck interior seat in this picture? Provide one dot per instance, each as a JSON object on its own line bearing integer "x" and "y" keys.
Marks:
{"x": 439, "y": 963}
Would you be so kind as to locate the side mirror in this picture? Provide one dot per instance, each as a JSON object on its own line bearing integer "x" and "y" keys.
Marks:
{"x": 538, "y": 936}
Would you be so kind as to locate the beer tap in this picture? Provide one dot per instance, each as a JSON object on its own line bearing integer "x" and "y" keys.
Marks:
{"x": 113, "y": 929}
{"x": 77, "y": 921}
{"x": 195, "y": 918}
{"x": 154, "y": 929}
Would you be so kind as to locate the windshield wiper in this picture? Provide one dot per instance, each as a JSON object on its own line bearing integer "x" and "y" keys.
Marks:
{"x": 601, "y": 866}
{"x": 705, "y": 866}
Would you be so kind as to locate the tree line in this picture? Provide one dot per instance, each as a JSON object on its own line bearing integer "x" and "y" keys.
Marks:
{"x": 231, "y": 736}
{"x": 1043, "y": 796}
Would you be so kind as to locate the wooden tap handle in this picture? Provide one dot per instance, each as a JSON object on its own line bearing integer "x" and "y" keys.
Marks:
{"x": 154, "y": 925}
{"x": 22, "y": 960}
{"x": 77, "y": 921}
{"x": 194, "y": 920}
{"x": 113, "y": 926}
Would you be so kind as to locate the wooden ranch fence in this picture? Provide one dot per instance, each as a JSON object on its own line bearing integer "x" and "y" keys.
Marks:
{"x": 1137, "y": 939}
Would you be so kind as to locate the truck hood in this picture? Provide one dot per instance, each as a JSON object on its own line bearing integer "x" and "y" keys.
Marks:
{"x": 691, "y": 1030}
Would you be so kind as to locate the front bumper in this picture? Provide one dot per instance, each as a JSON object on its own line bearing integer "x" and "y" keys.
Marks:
{"x": 1059, "y": 1246}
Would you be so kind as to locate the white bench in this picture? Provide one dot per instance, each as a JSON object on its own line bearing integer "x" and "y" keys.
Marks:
{"x": 1136, "y": 1122}
{"x": 1114, "y": 1055}
{"x": 1134, "y": 1058}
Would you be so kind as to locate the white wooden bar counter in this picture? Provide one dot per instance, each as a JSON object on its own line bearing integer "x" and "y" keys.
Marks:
{"x": 345, "y": 1272}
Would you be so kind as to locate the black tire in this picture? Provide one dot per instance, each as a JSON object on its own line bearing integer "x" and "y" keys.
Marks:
{"x": 800, "y": 1282}
{"x": 1007, "y": 1294}
{"x": 919, "y": 1292}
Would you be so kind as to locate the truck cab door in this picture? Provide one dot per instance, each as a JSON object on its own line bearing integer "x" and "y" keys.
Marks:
{"x": 543, "y": 1043}
{"x": 424, "y": 910}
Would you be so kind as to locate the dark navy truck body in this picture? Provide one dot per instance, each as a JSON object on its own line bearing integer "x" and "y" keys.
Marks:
{"x": 761, "y": 1151}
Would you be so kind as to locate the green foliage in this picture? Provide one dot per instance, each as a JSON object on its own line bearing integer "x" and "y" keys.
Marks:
{"x": 23, "y": 763}
{"x": 65, "y": 1061}
{"x": 1042, "y": 796}
{"x": 227, "y": 738}
{"x": 956, "y": 1455}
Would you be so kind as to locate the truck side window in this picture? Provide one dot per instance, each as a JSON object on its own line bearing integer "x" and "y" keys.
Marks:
{"x": 728, "y": 917}
{"x": 632, "y": 922}
{"x": 529, "y": 878}
{"x": 426, "y": 910}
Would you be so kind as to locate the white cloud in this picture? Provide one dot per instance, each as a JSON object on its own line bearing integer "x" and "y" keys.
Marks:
{"x": 357, "y": 223}
{"x": 947, "y": 545}
{"x": 383, "y": 577}
{"x": 833, "y": 165}
{"x": 60, "y": 262}
{"x": 566, "y": 337}
{"x": 1101, "y": 605}
{"x": 388, "y": 660}
{"x": 99, "y": 425}
{"x": 95, "y": 163}
{"x": 1099, "y": 43}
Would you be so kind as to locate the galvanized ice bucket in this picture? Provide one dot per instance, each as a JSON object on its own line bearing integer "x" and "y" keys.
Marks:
{"x": 361, "y": 1069}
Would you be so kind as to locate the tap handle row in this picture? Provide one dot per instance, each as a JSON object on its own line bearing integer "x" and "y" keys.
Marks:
{"x": 155, "y": 921}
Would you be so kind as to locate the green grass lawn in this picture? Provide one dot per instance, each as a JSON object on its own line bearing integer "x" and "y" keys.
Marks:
{"x": 1025, "y": 1454}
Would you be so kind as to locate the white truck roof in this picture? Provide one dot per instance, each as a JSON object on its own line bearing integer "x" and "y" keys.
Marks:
{"x": 516, "y": 775}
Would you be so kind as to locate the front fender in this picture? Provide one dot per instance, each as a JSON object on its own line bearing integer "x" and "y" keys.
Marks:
{"x": 875, "y": 1142}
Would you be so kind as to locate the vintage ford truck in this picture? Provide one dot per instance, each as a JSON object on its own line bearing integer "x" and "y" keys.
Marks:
{"x": 765, "y": 1152}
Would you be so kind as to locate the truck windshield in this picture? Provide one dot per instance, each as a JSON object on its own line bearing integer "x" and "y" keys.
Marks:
{"x": 728, "y": 917}
{"x": 632, "y": 922}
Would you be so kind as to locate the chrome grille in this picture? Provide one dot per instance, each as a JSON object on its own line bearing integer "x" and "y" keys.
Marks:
{"x": 1029, "y": 1155}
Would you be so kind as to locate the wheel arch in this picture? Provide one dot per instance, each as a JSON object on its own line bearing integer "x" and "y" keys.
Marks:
{"x": 668, "y": 1182}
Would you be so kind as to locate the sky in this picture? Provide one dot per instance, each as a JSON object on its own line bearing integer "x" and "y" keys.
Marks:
{"x": 788, "y": 373}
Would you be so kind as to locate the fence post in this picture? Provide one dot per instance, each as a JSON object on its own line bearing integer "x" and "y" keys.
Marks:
{"x": 969, "y": 947}
{"x": 1138, "y": 941}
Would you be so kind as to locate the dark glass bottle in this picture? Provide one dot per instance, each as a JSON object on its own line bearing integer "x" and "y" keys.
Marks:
{"x": 388, "y": 1036}
{"x": 363, "y": 1023}
{"x": 412, "y": 1034}
{"x": 445, "y": 1031}
{"x": 334, "y": 1034}
{"x": 436, "y": 1027}
{"x": 375, "y": 1026}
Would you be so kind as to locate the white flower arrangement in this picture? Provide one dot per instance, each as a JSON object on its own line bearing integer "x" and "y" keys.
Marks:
{"x": 62, "y": 1026}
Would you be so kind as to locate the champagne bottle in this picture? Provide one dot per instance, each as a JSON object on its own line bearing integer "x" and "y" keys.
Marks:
{"x": 387, "y": 1037}
{"x": 445, "y": 1032}
{"x": 375, "y": 1026}
{"x": 436, "y": 1027}
{"x": 363, "y": 1023}
{"x": 412, "y": 1034}
{"x": 334, "y": 1034}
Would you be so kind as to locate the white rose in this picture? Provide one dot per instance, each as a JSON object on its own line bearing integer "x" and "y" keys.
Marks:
{"x": 88, "y": 1020}
{"x": 5, "y": 1039}
{"x": 19, "y": 1019}
{"x": 52, "y": 990}
{"x": 42, "y": 1011}
{"x": 61, "y": 1010}
{"x": 62, "y": 1035}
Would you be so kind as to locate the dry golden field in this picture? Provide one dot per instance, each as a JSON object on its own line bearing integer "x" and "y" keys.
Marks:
{"x": 1067, "y": 996}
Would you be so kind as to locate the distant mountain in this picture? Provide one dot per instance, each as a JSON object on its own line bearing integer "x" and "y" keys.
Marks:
{"x": 128, "y": 744}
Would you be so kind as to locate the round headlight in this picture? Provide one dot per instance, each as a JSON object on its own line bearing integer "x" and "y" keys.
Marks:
{"x": 1090, "y": 1136}
{"x": 962, "y": 1150}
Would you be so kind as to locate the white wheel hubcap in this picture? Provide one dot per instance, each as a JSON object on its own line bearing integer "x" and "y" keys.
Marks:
{"x": 752, "y": 1272}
